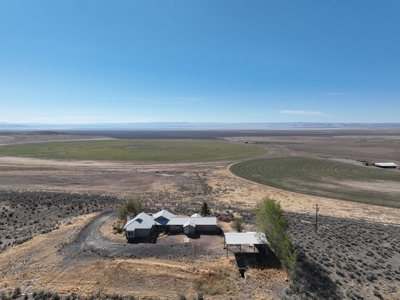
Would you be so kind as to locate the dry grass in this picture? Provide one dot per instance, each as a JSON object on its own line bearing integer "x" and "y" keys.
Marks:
{"x": 108, "y": 232}
{"x": 37, "y": 260}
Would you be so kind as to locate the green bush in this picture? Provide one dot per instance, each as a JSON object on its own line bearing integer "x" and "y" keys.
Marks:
{"x": 271, "y": 221}
{"x": 130, "y": 207}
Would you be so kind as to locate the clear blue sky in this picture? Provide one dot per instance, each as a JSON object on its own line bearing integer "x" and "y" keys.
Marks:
{"x": 199, "y": 61}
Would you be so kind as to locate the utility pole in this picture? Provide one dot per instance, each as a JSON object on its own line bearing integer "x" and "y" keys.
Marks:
{"x": 316, "y": 218}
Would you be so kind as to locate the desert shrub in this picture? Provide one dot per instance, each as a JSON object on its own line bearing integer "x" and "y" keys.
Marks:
{"x": 118, "y": 229}
{"x": 213, "y": 283}
{"x": 226, "y": 219}
{"x": 56, "y": 296}
{"x": 371, "y": 277}
{"x": 238, "y": 224}
{"x": 16, "y": 293}
{"x": 377, "y": 294}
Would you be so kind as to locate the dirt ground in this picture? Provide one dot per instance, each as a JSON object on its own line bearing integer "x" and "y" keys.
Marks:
{"x": 39, "y": 263}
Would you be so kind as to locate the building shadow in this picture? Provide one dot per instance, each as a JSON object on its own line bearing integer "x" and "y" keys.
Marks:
{"x": 152, "y": 239}
{"x": 256, "y": 259}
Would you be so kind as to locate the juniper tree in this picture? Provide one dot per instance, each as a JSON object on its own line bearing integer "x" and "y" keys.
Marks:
{"x": 205, "y": 211}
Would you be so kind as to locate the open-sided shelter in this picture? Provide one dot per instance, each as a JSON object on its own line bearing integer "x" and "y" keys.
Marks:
{"x": 245, "y": 238}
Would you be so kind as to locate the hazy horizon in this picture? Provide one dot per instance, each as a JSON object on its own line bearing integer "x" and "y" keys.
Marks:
{"x": 194, "y": 126}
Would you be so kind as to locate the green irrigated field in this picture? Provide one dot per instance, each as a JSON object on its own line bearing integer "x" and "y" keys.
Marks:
{"x": 138, "y": 150}
{"x": 325, "y": 178}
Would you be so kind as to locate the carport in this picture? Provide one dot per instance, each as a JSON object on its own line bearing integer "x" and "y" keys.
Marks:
{"x": 258, "y": 240}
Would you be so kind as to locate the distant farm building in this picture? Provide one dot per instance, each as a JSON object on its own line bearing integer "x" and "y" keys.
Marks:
{"x": 143, "y": 225}
{"x": 386, "y": 165}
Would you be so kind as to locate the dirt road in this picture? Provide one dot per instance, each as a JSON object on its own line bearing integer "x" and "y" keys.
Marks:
{"x": 90, "y": 243}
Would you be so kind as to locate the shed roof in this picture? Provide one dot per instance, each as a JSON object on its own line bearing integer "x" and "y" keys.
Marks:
{"x": 142, "y": 220}
{"x": 245, "y": 238}
{"x": 386, "y": 164}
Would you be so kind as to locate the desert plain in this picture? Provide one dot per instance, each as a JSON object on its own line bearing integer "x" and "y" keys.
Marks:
{"x": 57, "y": 217}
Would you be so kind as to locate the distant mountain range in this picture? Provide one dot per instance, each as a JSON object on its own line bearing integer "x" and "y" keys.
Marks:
{"x": 194, "y": 126}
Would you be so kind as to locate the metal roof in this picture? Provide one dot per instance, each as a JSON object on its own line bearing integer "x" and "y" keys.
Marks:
{"x": 165, "y": 214}
{"x": 197, "y": 221}
{"x": 196, "y": 215}
{"x": 245, "y": 238}
{"x": 191, "y": 222}
{"x": 142, "y": 220}
{"x": 387, "y": 164}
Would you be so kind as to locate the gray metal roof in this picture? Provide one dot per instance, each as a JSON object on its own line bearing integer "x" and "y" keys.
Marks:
{"x": 196, "y": 215}
{"x": 191, "y": 222}
{"x": 142, "y": 220}
{"x": 245, "y": 238}
{"x": 386, "y": 164}
{"x": 198, "y": 221}
{"x": 165, "y": 214}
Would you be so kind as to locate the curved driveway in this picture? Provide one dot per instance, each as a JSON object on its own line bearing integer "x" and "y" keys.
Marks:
{"x": 90, "y": 242}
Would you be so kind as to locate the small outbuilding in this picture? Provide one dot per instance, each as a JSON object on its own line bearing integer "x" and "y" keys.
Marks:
{"x": 386, "y": 165}
{"x": 245, "y": 238}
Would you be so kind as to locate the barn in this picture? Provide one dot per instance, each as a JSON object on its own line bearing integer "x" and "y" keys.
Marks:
{"x": 386, "y": 165}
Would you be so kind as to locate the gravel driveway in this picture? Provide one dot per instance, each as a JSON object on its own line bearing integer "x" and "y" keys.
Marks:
{"x": 90, "y": 242}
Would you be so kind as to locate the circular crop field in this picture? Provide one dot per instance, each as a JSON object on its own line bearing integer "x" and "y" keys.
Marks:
{"x": 140, "y": 150}
{"x": 325, "y": 178}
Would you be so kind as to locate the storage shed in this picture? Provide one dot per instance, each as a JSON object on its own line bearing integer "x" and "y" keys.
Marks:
{"x": 386, "y": 165}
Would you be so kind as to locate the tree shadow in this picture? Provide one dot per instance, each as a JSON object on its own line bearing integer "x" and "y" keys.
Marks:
{"x": 313, "y": 282}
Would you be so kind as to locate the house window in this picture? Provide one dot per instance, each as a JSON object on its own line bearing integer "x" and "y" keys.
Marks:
{"x": 176, "y": 226}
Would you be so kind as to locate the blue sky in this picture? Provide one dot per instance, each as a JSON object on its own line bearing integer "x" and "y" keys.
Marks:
{"x": 199, "y": 61}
